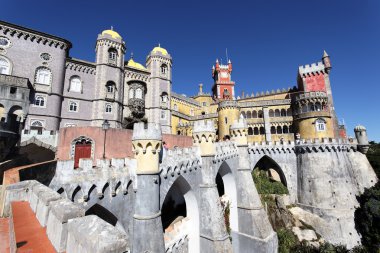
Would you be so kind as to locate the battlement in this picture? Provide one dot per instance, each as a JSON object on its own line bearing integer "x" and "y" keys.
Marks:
{"x": 270, "y": 147}
{"x": 149, "y": 131}
{"x": 203, "y": 126}
{"x": 310, "y": 95}
{"x": 225, "y": 150}
{"x": 228, "y": 104}
{"x": 239, "y": 124}
{"x": 180, "y": 160}
{"x": 314, "y": 68}
{"x": 325, "y": 144}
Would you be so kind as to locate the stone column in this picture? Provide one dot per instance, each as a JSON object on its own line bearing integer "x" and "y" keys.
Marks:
{"x": 213, "y": 234}
{"x": 147, "y": 225}
{"x": 254, "y": 228}
{"x": 268, "y": 136}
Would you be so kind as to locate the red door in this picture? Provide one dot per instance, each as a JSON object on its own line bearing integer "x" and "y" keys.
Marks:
{"x": 82, "y": 150}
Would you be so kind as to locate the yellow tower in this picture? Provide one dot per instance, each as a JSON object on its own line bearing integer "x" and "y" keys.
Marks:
{"x": 228, "y": 112}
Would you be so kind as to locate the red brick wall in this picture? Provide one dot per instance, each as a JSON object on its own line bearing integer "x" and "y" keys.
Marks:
{"x": 118, "y": 141}
{"x": 315, "y": 83}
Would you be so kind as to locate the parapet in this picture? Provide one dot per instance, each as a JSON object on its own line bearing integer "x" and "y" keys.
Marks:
{"x": 149, "y": 131}
{"x": 239, "y": 124}
{"x": 203, "y": 126}
{"x": 312, "y": 69}
{"x": 269, "y": 147}
{"x": 325, "y": 145}
{"x": 228, "y": 104}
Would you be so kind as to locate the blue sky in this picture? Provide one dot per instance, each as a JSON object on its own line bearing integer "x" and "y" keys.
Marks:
{"x": 267, "y": 40}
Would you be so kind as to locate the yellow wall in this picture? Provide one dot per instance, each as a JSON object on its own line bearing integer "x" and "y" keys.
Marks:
{"x": 307, "y": 129}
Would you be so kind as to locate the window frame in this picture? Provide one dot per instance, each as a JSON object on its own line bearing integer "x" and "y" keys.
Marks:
{"x": 9, "y": 72}
{"x": 76, "y": 106}
{"x": 43, "y": 101}
{"x": 80, "y": 84}
{"x": 108, "y": 106}
{"x": 320, "y": 125}
{"x": 37, "y": 76}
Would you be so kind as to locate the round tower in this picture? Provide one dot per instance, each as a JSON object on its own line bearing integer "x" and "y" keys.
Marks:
{"x": 109, "y": 88}
{"x": 146, "y": 143}
{"x": 312, "y": 117}
{"x": 228, "y": 112}
{"x": 204, "y": 137}
{"x": 238, "y": 132}
{"x": 361, "y": 137}
{"x": 159, "y": 63}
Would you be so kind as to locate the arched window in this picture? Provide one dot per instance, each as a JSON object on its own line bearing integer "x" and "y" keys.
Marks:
{"x": 73, "y": 106}
{"x": 304, "y": 108}
{"x": 285, "y": 130}
{"x": 112, "y": 55}
{"x": 271, "y": 113}
{"x": 39, "y": 101}
{"x": 243, "y": 114}
{"x": 37, "y": 125}
{"x": 164, "y": 69}
{"x": 289, "y": 112}
{"x": 318, "y": 107}
{"x": 262, "y": 130}
{"x": 260, "y": 114}
{"x": 164, "y": 97}
{"x": 75, "y": 84}
{"x": 254, "y": 114}
{"x": 311, "y": 107}
{"x": 320, "y": 125}
{"x": 5, "y": 66}
{"x": 291, "y": 129}
{"x": 175, "y": 107}
{"x": 250, "y": 131}
{"x": 110, "y": 86}
{"x": 43, "y": 76}
{"x": 283, "y": 113}
{"x": 249, "y": 115}
{"x": 108, "y": 108}
{"x": 277, "y": 113}
{"x": 131, "y": 93}
{"x": 138, "y": 93}
{"x": 273, "y": 130}
{"x": 279, "y": 130}
{"x": 256, "y": 131}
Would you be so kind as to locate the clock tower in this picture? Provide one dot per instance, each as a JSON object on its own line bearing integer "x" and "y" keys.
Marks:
{"x": 223, "y": 88}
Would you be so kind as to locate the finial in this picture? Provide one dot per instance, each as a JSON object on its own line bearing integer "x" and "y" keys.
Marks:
{"x": 325, "y": 54}
{"x": 159, "y": 45}
{"x": 131, "y": 55}
{"x": 217, "y": 61}
{"x": 111, "y": 28}
{"x": 229, "y": 61}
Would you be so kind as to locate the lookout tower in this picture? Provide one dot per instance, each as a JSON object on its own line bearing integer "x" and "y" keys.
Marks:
{"x": 223, "y": 87}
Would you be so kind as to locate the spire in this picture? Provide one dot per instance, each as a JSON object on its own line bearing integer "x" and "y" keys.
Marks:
{"x": 229, "y": 61}
{"x": 131, "y": 55}
{"x": 111, "y": 28}
{"x": 325, "y": 54}
{"x": 200, "y": 89}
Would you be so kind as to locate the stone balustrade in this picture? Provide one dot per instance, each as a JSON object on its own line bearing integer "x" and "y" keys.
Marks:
{"x": 180, "y": 160}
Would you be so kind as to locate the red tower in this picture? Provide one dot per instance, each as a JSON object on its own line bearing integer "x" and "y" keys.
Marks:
{"x": 223, "y": 87}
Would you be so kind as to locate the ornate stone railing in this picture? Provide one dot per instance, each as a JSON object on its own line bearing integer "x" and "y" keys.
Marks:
{"x": 225, "y": 150}
{"x": 265, "y": 103}
{"x": 180, "y": 160}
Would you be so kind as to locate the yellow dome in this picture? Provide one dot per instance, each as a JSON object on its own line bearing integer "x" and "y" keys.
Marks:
{"x": 160, "y": 49}
{"x": 136, "y": 65}
{"x": 112, "y": 33}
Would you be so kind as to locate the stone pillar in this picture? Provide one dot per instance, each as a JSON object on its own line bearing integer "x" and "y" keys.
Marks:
{"x": 361, "y": 137}
{"x": 254, "y": 228}
{"x": 268, "y": 136}
{"x": 213, "y": 234}
{"x": 147, "y": 225}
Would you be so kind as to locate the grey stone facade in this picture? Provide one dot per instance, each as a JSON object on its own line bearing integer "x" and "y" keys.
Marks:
{"x": 77, "y": 92}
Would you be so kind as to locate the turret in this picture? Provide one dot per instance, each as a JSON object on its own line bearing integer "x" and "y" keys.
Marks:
{"x": 159, "y": 63}
{"x": 223, "y": 87}
{"x": 146, "y": 142}
{"x": 326, "y": 61}
{"x": 238, "y": 132}
{"x": 361, "y": 137}
{"x": 228, "y": 112}
{"x": 204, "y": 137}
{"x": 109, "y": 80}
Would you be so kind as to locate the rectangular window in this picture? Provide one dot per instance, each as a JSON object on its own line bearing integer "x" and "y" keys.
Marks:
{"x": 13, "y": 90}
{"x": 163, "y": 115}
{"x": 73, "y": 106}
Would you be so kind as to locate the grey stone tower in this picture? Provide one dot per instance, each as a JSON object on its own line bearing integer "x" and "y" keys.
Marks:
{"x": 147, "y": 225}
{"x": 158, "y": 109}
{"x": 361, "y": 137}
{"x": 110, "y": 49}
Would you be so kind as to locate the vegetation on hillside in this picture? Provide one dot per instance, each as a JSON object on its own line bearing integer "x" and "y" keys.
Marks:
{"x": 367, "y": 216}
{"x": 265, "y": 185}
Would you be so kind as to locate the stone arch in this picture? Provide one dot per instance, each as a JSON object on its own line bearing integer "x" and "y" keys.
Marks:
{"x": 254, "y": 114}
{"x": 249, "y": 115}
{"x": 271, "y": 113}
{"x": 268, "y": 164}
{"x": 182, "y": 188}
{"x": 230, "y": 190}
{"x": 15, "y": 118}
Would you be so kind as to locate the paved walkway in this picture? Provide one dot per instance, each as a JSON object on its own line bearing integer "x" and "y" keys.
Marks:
{"x": 4, "y": 235}
{"x": 30, "y": 236}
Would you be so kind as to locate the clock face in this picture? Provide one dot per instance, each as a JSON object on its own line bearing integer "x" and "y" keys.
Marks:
{"x": 224, "y": 74}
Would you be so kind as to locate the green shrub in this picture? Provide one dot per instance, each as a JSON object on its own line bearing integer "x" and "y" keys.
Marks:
{"x": 265, "y": 186}
{"x": 286, "y": 240}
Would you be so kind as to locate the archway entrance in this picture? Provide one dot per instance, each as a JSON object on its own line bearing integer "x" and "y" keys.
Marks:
{"x": 228, "y": 195}
{"x": 82, "y": 148}
{"x": 180, "y": 208}
{"x": 271, "y": 169}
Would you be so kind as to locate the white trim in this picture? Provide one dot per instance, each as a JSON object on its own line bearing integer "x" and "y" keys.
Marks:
{"x": 73, "y": 101}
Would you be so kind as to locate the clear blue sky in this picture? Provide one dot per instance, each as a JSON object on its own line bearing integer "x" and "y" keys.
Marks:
{"x": 266, "y": 41}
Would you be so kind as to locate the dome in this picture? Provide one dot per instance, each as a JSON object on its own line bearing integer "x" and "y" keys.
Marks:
{"x": 112, "y": 33}
{"x": 360, "y": 128}
{"x": 163, "y": 51}
{"x": 136, "y": 65}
